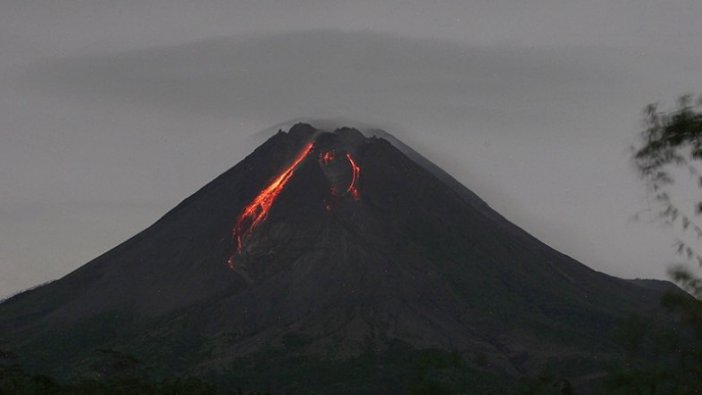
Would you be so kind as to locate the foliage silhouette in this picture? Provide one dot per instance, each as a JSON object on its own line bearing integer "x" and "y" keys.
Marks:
{"x": 669, "y": 360}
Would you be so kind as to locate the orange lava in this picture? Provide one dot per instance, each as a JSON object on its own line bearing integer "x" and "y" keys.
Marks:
{"x": 257, "y": 211}
{"x": 353, "y": 187}
{"x": 326, "y": 157}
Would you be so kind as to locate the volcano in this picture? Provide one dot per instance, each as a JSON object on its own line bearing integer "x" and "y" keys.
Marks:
{"x": 328, "y": 258}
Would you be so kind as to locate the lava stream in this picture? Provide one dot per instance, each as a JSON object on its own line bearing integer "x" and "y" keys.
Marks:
{"x": 326, "y": 157}
{"x": 257, "y": 211}
{"x": 353, "y": 188}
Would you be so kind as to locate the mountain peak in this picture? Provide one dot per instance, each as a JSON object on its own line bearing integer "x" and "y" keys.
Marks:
{"x": 302, "y": 130}
{"x": 346, "y": 243}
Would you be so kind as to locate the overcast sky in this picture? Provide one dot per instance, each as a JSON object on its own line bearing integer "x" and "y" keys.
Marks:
{"x": 113, "y": 111}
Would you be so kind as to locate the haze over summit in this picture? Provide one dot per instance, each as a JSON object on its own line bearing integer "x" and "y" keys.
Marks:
{"x": 108, "y": 117}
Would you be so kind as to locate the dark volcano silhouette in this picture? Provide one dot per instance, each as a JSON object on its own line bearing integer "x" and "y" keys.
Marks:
{"x": 327, "y": 246}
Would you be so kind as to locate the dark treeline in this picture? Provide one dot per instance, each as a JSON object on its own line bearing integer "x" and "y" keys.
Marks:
{"x": 15, "y": 380}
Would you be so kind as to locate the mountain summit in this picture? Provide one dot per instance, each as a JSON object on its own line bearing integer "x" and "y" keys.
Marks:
{"x": 326, "y": 246}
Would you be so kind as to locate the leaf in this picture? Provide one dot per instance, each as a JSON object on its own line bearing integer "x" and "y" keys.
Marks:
{"x": 680, "y": 246}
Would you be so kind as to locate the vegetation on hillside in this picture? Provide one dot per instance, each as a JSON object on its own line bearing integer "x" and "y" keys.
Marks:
{"x": 669, "y": 360}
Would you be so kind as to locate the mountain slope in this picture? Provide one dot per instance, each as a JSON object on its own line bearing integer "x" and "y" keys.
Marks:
{"x": 326, "y": 245}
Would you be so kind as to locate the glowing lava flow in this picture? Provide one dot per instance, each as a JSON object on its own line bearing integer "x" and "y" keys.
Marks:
{"x": 256, "y": 211}
{"x": 353, "y": 188}
{"x": 326, "y": 157}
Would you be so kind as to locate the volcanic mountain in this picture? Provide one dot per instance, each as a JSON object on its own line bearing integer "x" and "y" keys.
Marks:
{"x": 321, "y": 249}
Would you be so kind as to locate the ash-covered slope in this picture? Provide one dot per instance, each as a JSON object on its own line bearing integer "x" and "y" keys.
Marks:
{"x": 325, "y": 245}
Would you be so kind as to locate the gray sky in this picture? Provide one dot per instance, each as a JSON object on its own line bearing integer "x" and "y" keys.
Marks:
{"x": 111, "y": 112}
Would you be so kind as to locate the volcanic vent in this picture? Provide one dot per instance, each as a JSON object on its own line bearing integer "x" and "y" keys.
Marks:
{"x": 328, "y": 245}
{"x": 335, "y": 157}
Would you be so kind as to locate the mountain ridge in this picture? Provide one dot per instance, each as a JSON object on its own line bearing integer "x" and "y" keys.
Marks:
{"x": 410, "y": 257}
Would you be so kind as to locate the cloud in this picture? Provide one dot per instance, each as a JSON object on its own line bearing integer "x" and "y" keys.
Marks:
{"x": 322, "y": 72}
